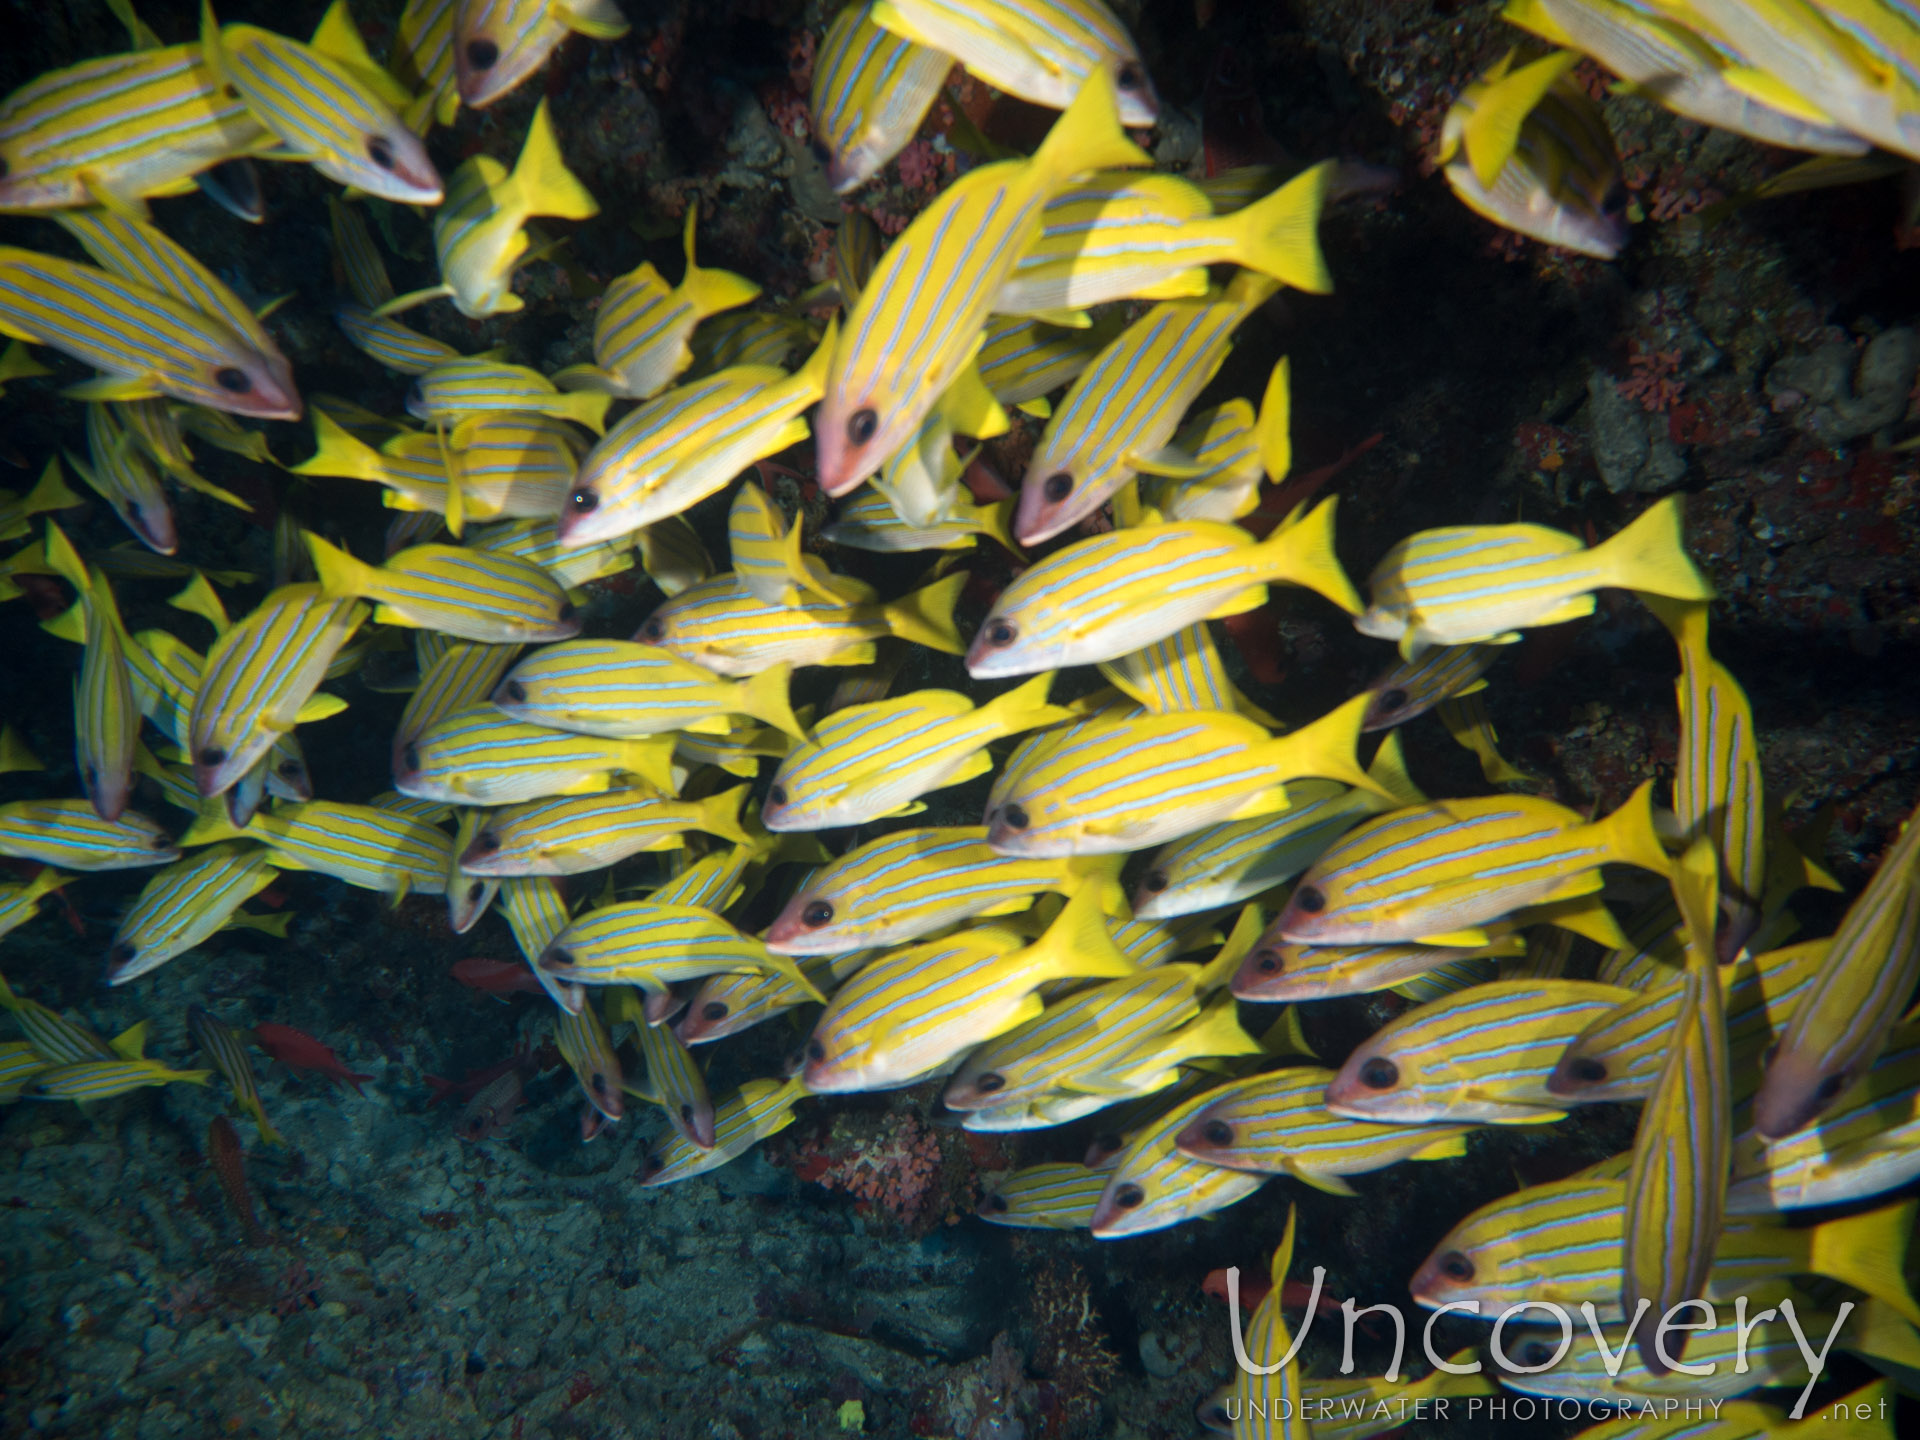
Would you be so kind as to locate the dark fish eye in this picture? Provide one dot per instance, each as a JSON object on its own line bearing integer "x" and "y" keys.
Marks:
{"x": 1218, "y": 1132}
{"x": 584, "y": 500}
{"x": 686, "y": 1114}
{"x": 1535, "y": 1353}
{"x": 162, "y": 842}
{"x": 816, "y": 1051}
{"x": 566, "y": 611}
{"x": 1015, "y": 816}
{"x": 1830, "y": 1088}
{"x": 410, "y": 757}
{"x": 1216, "y": 1415}
{"x": 557, "y": 959}
{"x": 861, "y": 425}
{"x": 714, "y": 1010}
{"x": 290, "y": 768}
{"x": 817, "y": 914}
{"x": 997, "y": 1204}
{"x": 1129, "y": 1197}
{"x": 599, "y": 1084}
{"x": 1128, "y": 78}
{"x": 778, "y": 794}
{"x": 1267, "y": 962}
{"x": 121, "y": 954}
{"x": 1106, "y": 1142}
{"x": 213, "y": 755}
{"x": 1456, "y": 1266}
{"x": 989, "y": 1082}
{"x": 1310, "y": 899}
{"x": 1587, "y": 1070}
{"x": 821, "y": 153}
{"x": 233, "y": 379}
{"x": 134, "y": 512}
{"x": 1379, "y": 1073}
{"x": 1156, "y": 881}
{"x": 232, "y": 92}
{"x": 1057, "y": 487}
{"x": 655, "y": 629}
{"x": 1002, "y": 634}
{"x": 486, "y": 842}
{"x": 1392, "y": 699}
{"x": 380, "y": 152}
{"x": 515, "y": 692}
{"x": 482, "y": 54}
{"x": 475, "y": 891}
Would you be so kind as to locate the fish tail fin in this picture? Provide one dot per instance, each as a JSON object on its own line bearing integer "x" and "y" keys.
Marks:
{"x": 720, "y": 815}
{"x": 970, "y": 407}
{"x": 1650, "y": 556}
{"x": 1534, "y": 16}
{"x": 766, "y": 697}
{"x": 542, "y": 182}
{"x": 65, "y": 560}
{"x": 1101, "y": 874}
{"x": 588, "y": 408}
{"x": 274, "y": 925}
{"x": 596, "y": 19}
{"x": 264, "y": 1125}
{"x": 1280, "y": 235}
{"x": 1326, "y": 748}
{"x": 1216, "y": 1031}
{"x": 1389, "y": 769}
{"x": 17, "y": 758}
{"x": 45, "y": 880}
{"x": 1449, "y": 1147}
{"x": 1273, "y": 431}
{"x": 1686, "y": 621}
{"x": 1077, "y": 944}
{"x": 340, "y": 575}
{"x": 1882, "y": 1333}
{"x": 1628, "y": 835}
{"x": 1301, "y": 554}
{"x": 651, "y": 759}
{"x": 1088, "y": 134}
{"x": 811, "y": 378}
{"x": 17, "y": 363}
{"x": 926, "y": 616}
{"x": 1239, "y": 942}
{"x": 131, "y": 1043}
{"x": 1869, "y": 1252}
{"x": 711, "y": 291}
{"x": 1287, "y": 1036}
{"x": 50, "y": 492}
{"x": 1023, "y": 708}
{"x": 1493, "y": 129}
{"x": 787, "y": 969}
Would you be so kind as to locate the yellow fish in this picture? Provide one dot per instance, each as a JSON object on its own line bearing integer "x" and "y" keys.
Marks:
{"x": 870, "y": 91}
{"x": 497, "y": 44}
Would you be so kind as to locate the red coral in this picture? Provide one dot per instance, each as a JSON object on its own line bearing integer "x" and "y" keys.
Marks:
{"x": 1655, "y": 381}
{"x": 895, "y": 1170}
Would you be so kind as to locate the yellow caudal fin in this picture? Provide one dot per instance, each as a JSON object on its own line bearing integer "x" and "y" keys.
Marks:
{"x": 651, "y": 758}
{"x": 1650, "y": 556}
{"x": 50, "y": 492}
{"x": 1100, "y": 874}
{"x": 596, "y": 19}
{"x": 1273, "y": 431}
{"x": 17, "y": 363}
{"x": 1452, "y": 1147}
{"x": 786, "y": 968}
{"x": 1215, "y": 1031}
{"x": 338, "y": 38}
{"x": 926, "y": 616}
{"x": 765, "y": 697}
{"x": 139, "y": 34}
{"x": 1879, "y": 1332}
{"x": 341, "y": 454}
{"x": 1077, "y": 945}
{"x": 1493, "y": 129}
{"x": 1325, "y": 749}
{"x": 274, "y": 925}
{"x": 711, "y": 291}
{"x": 1776, "y": 94}
{"x": 1389, "y": 770}
{"x": 1088, "y": 134}
{"x": 1584, "y": 915}
{"x": 720, "y": 815}
{"x": 969, "y": 408}
{"x": 339, "y": 574}
{"x": 586, "y": 407}
{"x": 1869, "y": 1252}
{"x": 1301, "y": 553}
{"x": 810, "y": 379}
{"x": 1023, "y": 708}
{"x": 131, "y": 1043}
{"x": 1686, "y": 621}
{"x": 1534, "y": 17}
{"x": 199, "y": 599}
{"x": 1220, "y": 969}
{"x": 1629, "y": 837}
{"x": 1286, "y": 1036}
{"x": 541, "y": 184}
{"x": 65, "y": 560}
{"x": 16, "y": 758}
{"x": 1280, "y": 235}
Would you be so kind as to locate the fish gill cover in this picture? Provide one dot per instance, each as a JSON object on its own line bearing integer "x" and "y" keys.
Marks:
{"x": 605, "y": 844}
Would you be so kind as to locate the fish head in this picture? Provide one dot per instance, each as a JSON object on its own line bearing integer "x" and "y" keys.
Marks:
{"x": 829, "y": 1062}
{"x": 1579, "y": 1074}
{"x": 807, "y": 926}
{"x": 1206, "y": 1135}
{"x": 1798, "y": 1086}
{"x": 123, "y": 962}
{"x": 1217, "y": 1413}
{"x": 467, "y": 899}
{"x": 1131, "y": 1204}
{"x": 1264, "y": 972}
{"x": 494, "y": 50}
{"x": 107, "y": 789}
{"x": 1139, "y": 102}
{"x": 1308, "y": 911}
{"x": 698, "y": 1120}
{"x": 1372, "y": 1082}
{"x": 241, "y": 381}
{"x": 419, "y": 404}
{"x": 289, "y": 777}
{"x": 392, "y": 164}
{"x": 706, "y": 1019}
{"x": 792, "y": 805}
{"x": 974, "y": 1087}
{"x": 151, "y": 520}
{"x": 1055, "y": 495}
{"x": 480, "y": 850}
{"x": 868, "y": 413}
{"x": 1014, "y": 639}
{"x": 1163, "y": 894}
{"x": 1019, "y": 824}
{"x": 1448, "y": 1275}
{"x": 219, "y": 760}
{"x": 517, "y": 697}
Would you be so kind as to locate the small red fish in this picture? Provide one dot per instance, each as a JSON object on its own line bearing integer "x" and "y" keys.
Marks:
{"x": 496, "y": 977}
{"x": 475, "y": 1081}
{"x": 300, "y": 1050}
{"x": 491, "y": 1110}
{"x": 1293, "y": 1295}
{"x": 1277, "y": 501}
{"x": 229, "y": 1164}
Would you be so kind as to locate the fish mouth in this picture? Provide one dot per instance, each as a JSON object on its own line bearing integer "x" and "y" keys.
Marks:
{"x": 1429, "y": 1287}
{"x": 1001, "y": 662}
{"x": 1037, "y": 519}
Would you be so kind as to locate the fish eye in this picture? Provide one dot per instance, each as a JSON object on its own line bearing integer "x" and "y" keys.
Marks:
{"x": 714, "y": 1010}
{"x": 861, "y": 425}
{"x": 1057, "y": 487}
{"x": 213, "y": 755}
{"x": 1830, "y": 1088}
{"x": 1214, "y": 1415}
{"x": 1587, "y": 1070}
{"x": 120, "y": 955}
{"x": 1392, "y": 699}
{"x": 817, "y": 914}
{"x": 778, "y": 794}
{"x": 583, "y": 500}
{"x": 599, "y": 1084}
{"x": 1218, "y": 1132}
{"x": 654, "y": 629}
{"x": 515, "y": 692}
{"x": 482, "y": 54}
{"x": 686, "y": 1114}
{"x": 380, "y": 152}
{"x": 410, "y": 757}
{"x": 1128, "y": 78}
{"x": 290, "y": 768}
{"x": 476, "y": 890}
{"x": 162, "y": 842}
{"x": 821, "y": 153}
{"x": 1310, "y": 899}
{"x": 1015, "y": 816}
{"x": 1129, "y": 1197}
{"x": 997, "y": 1204}
{"x": 1267, "y": 962}
{"x": 557, "y": 959}
{"x": 566, "y": 611}
{"x": 1105, "y": 1143}
{"x": 816, "y": 1051}
{"x": 232, "y": 92}
{"x": 1535, "y": 1353}
{"x": 1456, "y": 1266}
{"x": 486, "y": 842}
{"x": 1379, "y": 1073}
{"x": 233, "y": 379}
{"x": 990, "y": 1081}
{"x": 1002, "y": 633}
{"x": 652, "y": 1165}
{"x": 134, "y": 512}
{"x": 1156, "y": 881}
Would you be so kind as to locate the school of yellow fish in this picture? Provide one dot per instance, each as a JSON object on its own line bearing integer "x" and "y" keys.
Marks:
{"x": 1004, "y": 960}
